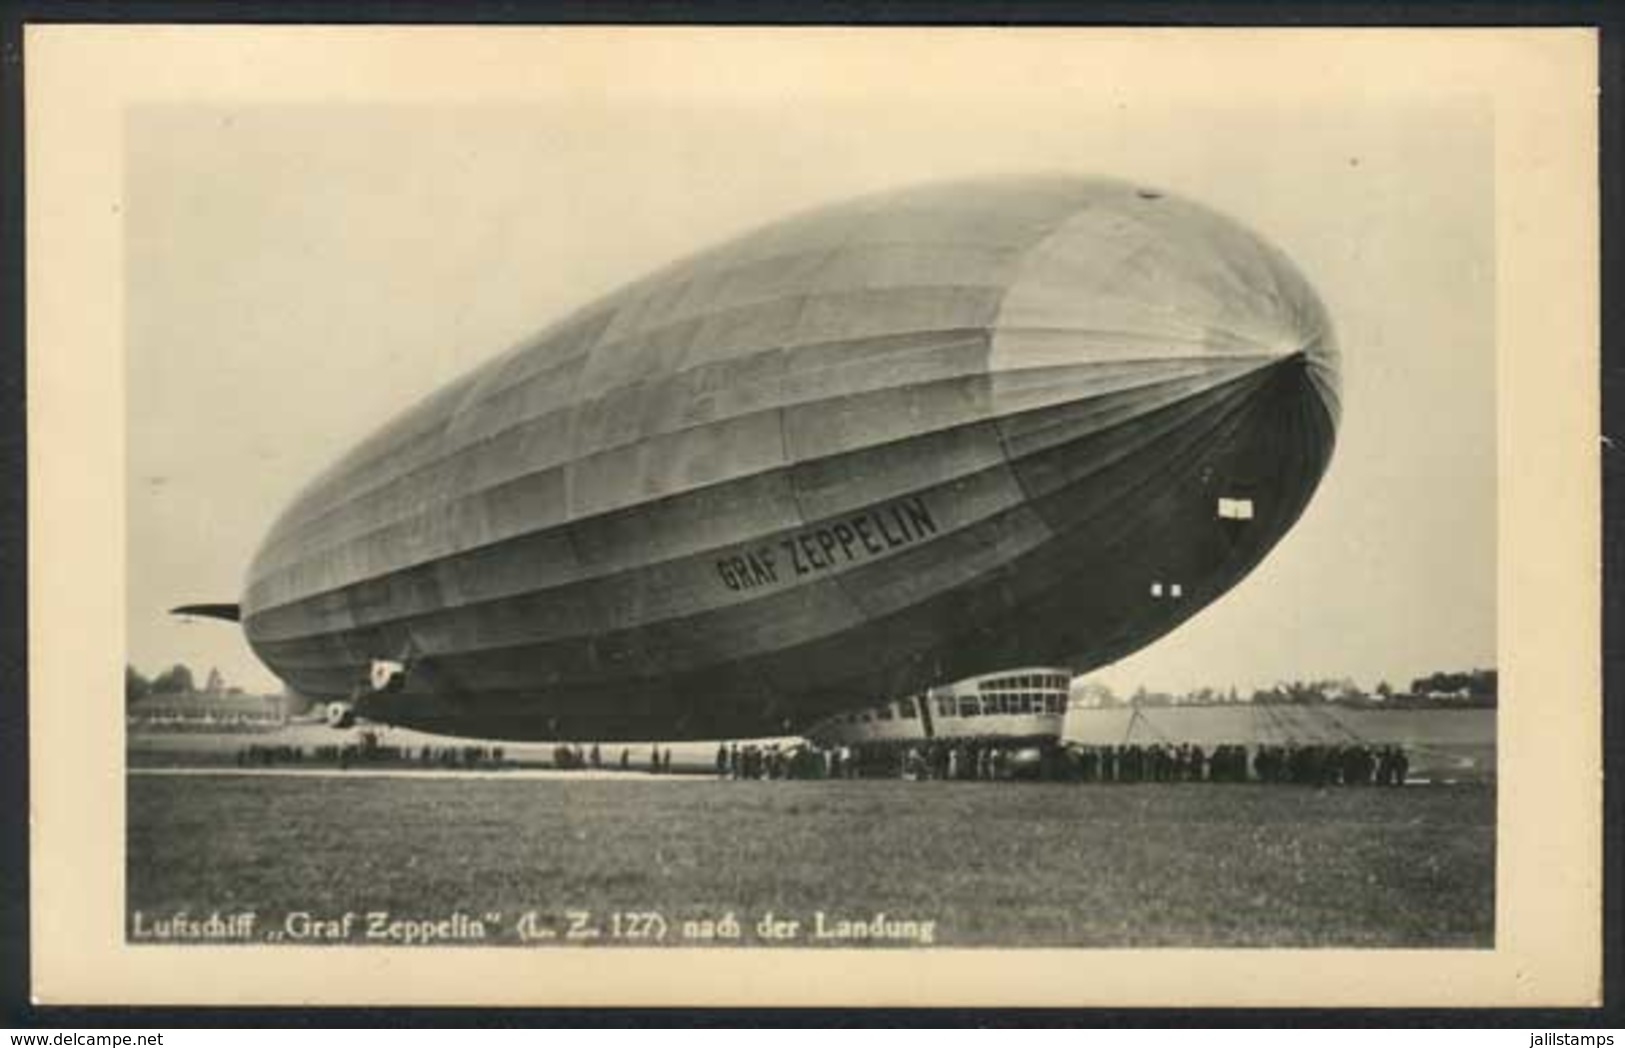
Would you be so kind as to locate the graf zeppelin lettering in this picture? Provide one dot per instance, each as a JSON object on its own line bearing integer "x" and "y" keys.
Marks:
{"x": 863, "y": 535}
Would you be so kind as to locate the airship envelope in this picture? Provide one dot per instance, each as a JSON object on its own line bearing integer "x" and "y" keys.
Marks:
{"x": 883, "y": 445}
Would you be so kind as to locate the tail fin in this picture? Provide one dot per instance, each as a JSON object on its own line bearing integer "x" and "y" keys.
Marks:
{"x": 227, "y": 612}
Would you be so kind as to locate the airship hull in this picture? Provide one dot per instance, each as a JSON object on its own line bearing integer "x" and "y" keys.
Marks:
{"x": 882, "y": 446}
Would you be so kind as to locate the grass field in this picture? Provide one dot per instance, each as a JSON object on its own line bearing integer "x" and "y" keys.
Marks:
{"x": 990, "y": 864}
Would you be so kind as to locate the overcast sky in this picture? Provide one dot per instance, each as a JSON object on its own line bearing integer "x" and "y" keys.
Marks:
{"x": 297, "y": 274}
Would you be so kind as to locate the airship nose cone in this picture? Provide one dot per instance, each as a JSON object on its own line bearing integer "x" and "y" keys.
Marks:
{"x": 1319, "y": 364}
{"x": 1142, "y": 290}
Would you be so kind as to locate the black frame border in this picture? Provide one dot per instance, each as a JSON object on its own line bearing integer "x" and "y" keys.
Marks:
{"x": 16, "y": 1009}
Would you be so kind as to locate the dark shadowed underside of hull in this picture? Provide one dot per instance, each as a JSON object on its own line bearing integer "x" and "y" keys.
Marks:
{"x": 879, "y": 447}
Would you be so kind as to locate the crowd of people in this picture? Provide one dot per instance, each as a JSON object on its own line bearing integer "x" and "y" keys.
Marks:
{"x": 1158, "y": 762}
{"x": 370, "y": 751}
{"x": 569, "y": 757}
{"x": 957, "y": 760}
{"x": 932, "y": 761}
{"x": 1316, "y": 765}
{"x": 1313, "y": 764}
{"x": 773, "y": 761}
{"x": 456, "y": 756}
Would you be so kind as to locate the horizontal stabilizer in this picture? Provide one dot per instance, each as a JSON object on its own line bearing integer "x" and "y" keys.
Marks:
{"x": 228, "y": 612}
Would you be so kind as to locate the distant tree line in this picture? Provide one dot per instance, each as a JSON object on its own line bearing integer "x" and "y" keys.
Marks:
{"x": 1468, "y": 688}
{"x": 1472, "y": 684}
{"x": 1194, "y": 697}
{"x": 1308, "y": 693}
{"x": 177, "y": 680}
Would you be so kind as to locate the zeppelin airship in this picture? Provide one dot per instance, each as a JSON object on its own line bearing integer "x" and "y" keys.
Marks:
{"x": 870, "y": 449}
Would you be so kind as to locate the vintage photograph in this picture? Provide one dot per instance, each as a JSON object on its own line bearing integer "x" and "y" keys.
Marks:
{"x": 920, "y": 521}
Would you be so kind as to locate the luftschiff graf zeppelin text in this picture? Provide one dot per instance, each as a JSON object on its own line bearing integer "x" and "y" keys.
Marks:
{"x": 532, "y": 927}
